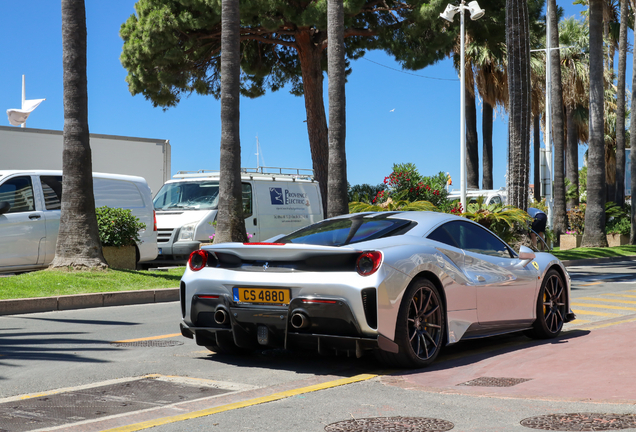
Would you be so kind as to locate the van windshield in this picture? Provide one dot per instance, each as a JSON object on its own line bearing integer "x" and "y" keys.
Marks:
{"x": 194, "y": 195}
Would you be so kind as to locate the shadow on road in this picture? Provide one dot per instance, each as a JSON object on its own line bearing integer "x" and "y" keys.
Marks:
{"x": 460, "y": 354}
{"x": 473, "y": 351}
{"x": 17, "y": 346}
{"x": 86, "y": 322}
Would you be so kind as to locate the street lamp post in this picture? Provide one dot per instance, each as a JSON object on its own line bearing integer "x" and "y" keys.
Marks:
{"x": 475, "y": 13}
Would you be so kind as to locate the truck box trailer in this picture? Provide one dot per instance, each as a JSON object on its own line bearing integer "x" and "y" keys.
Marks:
{"x": 28, "y": 149}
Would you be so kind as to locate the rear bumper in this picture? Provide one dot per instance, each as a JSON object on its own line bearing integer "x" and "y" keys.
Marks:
{"x": 328, "y": 327}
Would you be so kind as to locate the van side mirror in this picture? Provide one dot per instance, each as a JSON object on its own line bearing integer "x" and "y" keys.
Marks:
{"x": 525, "y": 255}
{"x": 4, "y": 207}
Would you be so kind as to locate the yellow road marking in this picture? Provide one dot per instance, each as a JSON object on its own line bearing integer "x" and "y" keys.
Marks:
{"x": 598, "y": 326}
{"x": 243, "y": 404}
{"x": 607, "y": 300}
{"x": 590, "y": 284}
{"x": 148, "y": 338}
{"x": 620, "y": 295}
{"x": 605, "y": 314}
{"x": 603, "y": 306}
{"x": 580, "y": 321}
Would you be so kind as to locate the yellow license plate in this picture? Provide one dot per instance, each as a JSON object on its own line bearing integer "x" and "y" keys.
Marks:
{"x": 262, "y": 295}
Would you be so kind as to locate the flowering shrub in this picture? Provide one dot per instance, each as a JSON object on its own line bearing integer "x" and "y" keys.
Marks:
{"x": 405, "y": 183}
{"x": 118, "y": 227}
{"x": 576, "y": 219}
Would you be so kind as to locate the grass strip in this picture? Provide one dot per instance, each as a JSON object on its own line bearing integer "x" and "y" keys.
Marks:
{"x": 586, "y": 253}
{"x": 55, "y": 282}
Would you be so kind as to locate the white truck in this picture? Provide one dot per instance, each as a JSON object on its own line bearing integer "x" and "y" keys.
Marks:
{"x": 27, "y": 149}
{"x": 491, "y": 196}
{"x": 275, "y": 201}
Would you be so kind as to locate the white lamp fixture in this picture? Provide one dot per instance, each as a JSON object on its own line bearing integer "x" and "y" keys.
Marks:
{"x": 475, "y": 13}
{"x": 449, "y": 12}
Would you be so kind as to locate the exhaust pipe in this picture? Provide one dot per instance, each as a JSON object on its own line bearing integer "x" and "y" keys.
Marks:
{"x": 299, "y": 321}
{"x": 221, "y": 316}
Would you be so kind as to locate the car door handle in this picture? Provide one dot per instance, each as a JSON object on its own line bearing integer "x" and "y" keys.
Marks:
{"x": 481, "y": 279}
{"x": 34, "y": 216}
{"x": 254, "y": 221}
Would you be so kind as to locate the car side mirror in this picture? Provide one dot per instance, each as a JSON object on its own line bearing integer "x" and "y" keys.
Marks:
{"x": 4, "y": 207}
{"x": 525, "y": 256}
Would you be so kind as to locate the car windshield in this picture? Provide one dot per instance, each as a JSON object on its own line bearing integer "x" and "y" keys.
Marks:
{"x": 191, "y": 195}
{"x": 338, "y": 232}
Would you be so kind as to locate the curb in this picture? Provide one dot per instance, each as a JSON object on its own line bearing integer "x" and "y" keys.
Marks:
{"x": 598, "y": 260}
{"x": 122, "y": 298}
{"x": 84, "y": 301}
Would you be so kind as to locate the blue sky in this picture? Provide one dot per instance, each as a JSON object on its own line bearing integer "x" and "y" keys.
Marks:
{"x": 392, "y": 117}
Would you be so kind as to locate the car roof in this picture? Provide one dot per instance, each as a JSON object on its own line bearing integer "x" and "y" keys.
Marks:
{"x": 59, "y": 173}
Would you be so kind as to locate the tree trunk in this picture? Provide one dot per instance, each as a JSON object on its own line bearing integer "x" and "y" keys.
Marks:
{"x": 472, "y": 142}
{"x": 309, "y": 46}
{"x": 572, "y": 170}
{"x": 338, "y": 198}
{"x": 537, "y": 158}
{"x": 594, "y": 235}
{"x": 559, "y": 218}
{"x": 230, "y": 222}
{"x": 518, "y": 43}
{"x": 620, "y": 108}
{"x": 486, "y": 125}
{"x": 78, "y": 245}
{"x": 610, "y": 172}
{"x": 632, "y": 153}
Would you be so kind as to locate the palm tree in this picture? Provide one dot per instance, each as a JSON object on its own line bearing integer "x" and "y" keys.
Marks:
{"x": 470, "y": 113}
{"x": 78, "y": 244}
{"x": 230, "y": 222}
{"x": 537, "y": 77}
{"x": 594, "y": 235}
{"x": 518, "y": 43}
{"x": 620, "y": 109}
{"x": 575, "y": 79}
{"x": 338, "y": 199}
{"x": 632, "y": 145}
{"x": 560, "y": 223}
{"x": 492, "y": 83}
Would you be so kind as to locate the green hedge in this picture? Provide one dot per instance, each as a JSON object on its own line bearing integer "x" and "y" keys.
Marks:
{"x": 118, "y": 227}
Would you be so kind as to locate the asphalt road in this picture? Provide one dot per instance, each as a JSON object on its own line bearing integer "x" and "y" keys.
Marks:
{"x": 51, "y": 355}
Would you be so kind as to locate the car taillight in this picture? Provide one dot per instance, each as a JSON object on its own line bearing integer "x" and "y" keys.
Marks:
{"x": 198, "y": 259}
{"x": 368, "y": 263}
{"x": 154, "y": 215}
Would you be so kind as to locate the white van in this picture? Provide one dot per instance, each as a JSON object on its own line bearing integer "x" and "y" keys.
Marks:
{"x": 30, "y": 203}
{"x": 275, "y": 201}
{"x": 491, "y": 196}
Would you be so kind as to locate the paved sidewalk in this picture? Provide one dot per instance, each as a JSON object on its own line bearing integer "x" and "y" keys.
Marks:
{"x": 582, "y": 365}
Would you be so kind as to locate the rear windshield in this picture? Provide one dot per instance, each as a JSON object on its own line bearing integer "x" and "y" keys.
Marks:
{"x": 338, "y": 232}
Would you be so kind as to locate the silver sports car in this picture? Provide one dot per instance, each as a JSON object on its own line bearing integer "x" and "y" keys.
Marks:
{"x": 403, "y": 284}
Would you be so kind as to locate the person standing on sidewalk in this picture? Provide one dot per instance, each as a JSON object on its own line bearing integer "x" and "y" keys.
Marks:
{"x": 539, "y": 222}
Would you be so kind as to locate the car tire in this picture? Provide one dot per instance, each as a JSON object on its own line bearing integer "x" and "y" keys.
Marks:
{"x": 551, "y": 307}
{"x": 420, "y": 327}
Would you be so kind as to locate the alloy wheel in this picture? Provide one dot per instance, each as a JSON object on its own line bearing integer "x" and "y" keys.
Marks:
{"x": 554, "y": 304}
{"x": 425, "y": 323}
